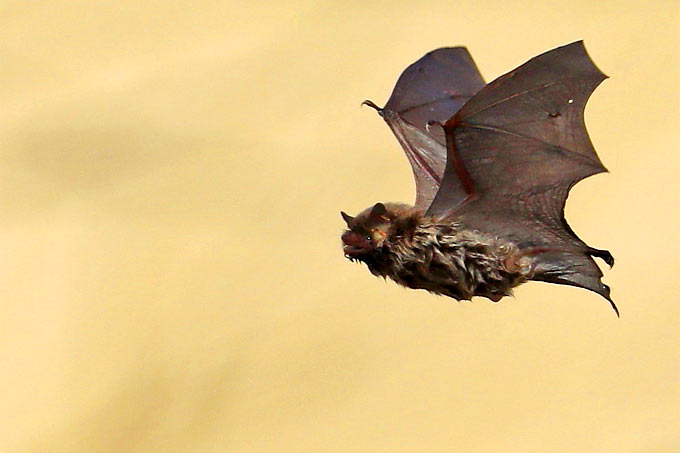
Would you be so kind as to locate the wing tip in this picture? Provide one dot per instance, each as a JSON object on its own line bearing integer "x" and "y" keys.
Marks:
{"x": 605, "y": 291}
{"x": 582, "y": 47}
{"x": 448, "y": 49}
{"x": 602, "y": 289}
{"x": 578, "y": 270}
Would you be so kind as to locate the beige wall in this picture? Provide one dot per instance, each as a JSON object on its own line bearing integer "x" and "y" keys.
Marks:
{"x": 170, "y": 271}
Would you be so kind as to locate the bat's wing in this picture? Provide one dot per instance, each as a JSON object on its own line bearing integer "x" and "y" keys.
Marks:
{"x": 514, "y": 151}
{"x": 432, "y": 89}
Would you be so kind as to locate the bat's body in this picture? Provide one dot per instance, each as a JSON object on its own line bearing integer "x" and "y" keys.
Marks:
{"x": 493, "y": 166}
{"x": 420, "y": 253}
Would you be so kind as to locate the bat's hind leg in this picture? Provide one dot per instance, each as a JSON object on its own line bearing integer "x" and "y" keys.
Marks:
{"x": 604, "y": 254}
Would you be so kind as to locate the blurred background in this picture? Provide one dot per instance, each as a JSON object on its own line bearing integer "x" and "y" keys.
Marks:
{"x": 171, "y": 276}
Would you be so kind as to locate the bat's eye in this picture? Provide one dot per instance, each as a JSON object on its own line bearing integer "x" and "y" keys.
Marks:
{"x": 369, "y": 238}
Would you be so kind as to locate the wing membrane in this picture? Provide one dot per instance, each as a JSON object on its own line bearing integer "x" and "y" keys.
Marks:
{"x": 522, "y": 140}
{"x": 432, "y": 89}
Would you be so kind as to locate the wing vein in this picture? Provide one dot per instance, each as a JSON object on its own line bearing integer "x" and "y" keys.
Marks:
{"x": 434, "y": 101}
{"x": 520, "y": 93}
{"x": 399, "y": 133}
{"x": 528, "y": 137}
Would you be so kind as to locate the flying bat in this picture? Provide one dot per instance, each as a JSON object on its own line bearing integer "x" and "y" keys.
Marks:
{"x": 493, "y": 165}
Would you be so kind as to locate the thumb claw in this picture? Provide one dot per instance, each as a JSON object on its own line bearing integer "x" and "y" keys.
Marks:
{"x": 372, "y": 104}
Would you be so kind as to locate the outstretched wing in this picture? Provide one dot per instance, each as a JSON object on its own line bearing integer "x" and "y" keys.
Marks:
{"x": 433, "y": 88}
{"x": 514, "y": 151}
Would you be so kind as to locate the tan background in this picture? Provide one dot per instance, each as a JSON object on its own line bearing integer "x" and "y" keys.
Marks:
{"x": 171, "y": 277}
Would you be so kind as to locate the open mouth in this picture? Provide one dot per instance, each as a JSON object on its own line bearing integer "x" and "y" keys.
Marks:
{"x": 354, "y": 245}
{"x": 352, "y": 252}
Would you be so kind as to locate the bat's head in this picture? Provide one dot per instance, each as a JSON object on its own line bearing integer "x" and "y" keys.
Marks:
{"x": 367, "y": 232}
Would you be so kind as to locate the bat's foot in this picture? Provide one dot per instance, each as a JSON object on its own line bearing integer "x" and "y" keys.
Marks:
{"x": 604, "y": 254}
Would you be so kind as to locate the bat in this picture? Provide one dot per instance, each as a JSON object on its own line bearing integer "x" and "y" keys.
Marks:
{"x": 493, "y": 165}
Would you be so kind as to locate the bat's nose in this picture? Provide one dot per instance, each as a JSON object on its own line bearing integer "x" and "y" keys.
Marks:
{"x": 350, "y": 238}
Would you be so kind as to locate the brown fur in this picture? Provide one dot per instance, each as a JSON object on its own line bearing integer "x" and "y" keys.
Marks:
{"x": 420, "y": 253}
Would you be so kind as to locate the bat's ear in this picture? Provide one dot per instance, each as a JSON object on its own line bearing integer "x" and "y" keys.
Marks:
{"x": 378, "y": 212}
{"x": 346, "y": 217}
